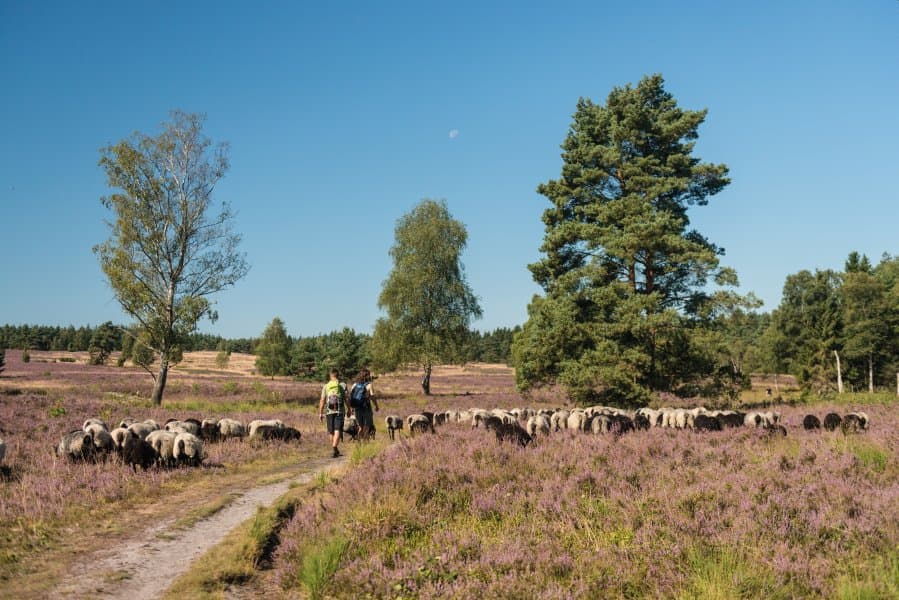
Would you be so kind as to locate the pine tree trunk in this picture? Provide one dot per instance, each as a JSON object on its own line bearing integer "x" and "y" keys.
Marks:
{"x": 776, "y": 389}
{"x": 839, "y": 373}
{"x": 160, "y": 382}
{"x": 426, "y": 381}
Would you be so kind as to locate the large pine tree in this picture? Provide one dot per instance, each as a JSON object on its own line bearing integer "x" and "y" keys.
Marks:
{"x": 626, "y": 278}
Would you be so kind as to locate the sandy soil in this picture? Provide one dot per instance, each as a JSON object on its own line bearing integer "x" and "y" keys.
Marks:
{"x": 142, "y": 566}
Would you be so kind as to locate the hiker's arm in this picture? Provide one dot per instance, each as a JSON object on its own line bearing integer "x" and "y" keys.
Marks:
{"x": 371, "y": 396}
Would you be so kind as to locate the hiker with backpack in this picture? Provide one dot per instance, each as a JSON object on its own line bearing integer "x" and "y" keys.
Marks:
{"x": 332, "y": 407}
{"x": 361, "y": 400}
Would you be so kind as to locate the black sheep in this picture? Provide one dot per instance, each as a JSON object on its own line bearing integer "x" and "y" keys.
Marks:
{"x": 811, "y": 422}
{"x": 621, "y": 424}
{"x": 832, "y": 421}
{"x": 731, "y": 419}
{"x": 852, "y": 423}
{"x": 641, "y": 421}
{"x": 706, "y": 423}
{"x": 136, "y": 451}
{"x": 507, "y": 431}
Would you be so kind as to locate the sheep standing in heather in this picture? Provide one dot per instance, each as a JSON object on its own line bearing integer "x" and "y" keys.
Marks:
{"x": 507, "y": 431}
{"x": 229, "y": 428}
{"x": 704, "y": 422}
{"x": 811, "y": 422}
{"x": 103, "y": 442}
{"x": 209, "y": 430}
{"x": 832, "y": 421}
{"x": 136, "y": 451}
{"x": 854, "y": 422}
{"x": 125, "y": 423}
{"x": 419, "y": 424}
{"x": 188, "y": 449}
{"x": 730, "y": 418}
{"x": 94, "y": 422}
{"x": 118, "y": 437}
{"x": 393, "y": 423}
{"x": 559, "y": 420}
{"x": 578, "y": 421}
{"x": 163, "y": 443}
{"x": 191, "y": 426}
{"x": 76, "y": 445}
{"x": 251, "y": 428}
{"x": 351, "y": 427}
{"x": 538, "y": 424}
{"x": 142, "y": 430}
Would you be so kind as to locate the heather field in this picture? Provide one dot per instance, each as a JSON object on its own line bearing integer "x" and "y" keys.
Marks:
{"x": 660, "y": 513}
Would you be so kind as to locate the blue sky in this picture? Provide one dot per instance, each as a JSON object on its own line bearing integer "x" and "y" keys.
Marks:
{"x": 339, "y": 118}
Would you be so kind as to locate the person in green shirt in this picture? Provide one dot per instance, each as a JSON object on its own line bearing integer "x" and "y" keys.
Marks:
{"x": 332, "y": 407}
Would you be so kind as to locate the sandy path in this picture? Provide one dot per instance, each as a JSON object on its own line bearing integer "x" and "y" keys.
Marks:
{"x": 142, "y": 568}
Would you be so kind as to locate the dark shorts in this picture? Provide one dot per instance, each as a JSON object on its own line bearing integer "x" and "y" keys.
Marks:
{"x": 365, "y": 417}
{"x": 335, "y": 422}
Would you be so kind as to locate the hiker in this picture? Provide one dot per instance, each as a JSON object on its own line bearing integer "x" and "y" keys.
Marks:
{"x": 361, "y": 400}
{"x": 333, "y": 407}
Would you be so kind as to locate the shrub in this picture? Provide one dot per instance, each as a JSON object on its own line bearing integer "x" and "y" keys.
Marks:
{"x": 26, "y": 357}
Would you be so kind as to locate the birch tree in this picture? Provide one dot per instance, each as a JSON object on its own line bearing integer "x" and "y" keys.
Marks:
{"x": 169, "y": 250}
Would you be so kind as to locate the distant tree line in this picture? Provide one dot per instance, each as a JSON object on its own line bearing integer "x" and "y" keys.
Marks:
{"x": 306, "y": 356}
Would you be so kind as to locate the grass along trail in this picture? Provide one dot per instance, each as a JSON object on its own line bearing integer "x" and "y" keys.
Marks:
{"x": 144, "y": 565}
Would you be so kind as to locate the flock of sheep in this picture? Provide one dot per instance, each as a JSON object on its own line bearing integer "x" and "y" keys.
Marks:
{"x": 145, "y": 443}
{"x": 507, "y": 424}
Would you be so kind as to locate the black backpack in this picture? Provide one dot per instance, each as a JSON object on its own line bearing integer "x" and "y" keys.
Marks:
{"x": 357, "y": 396}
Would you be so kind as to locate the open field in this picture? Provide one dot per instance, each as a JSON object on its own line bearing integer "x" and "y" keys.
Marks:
{"x": 662, "y": 513}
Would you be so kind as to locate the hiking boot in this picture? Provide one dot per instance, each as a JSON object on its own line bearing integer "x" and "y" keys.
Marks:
{"x": 336, "y": 453}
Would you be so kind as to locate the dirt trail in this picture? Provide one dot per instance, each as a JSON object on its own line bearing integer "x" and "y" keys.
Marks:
{"x": 142, "y": 568}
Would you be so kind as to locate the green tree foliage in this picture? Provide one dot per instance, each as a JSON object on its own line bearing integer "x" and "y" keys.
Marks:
{"x": 428, "y": 302}
{"x": 168, "y": 252}
{"x": 26, "y": 356}
{"x": 273, "y": 350}
{"x": 344, "y": 350}
{"x": 223, "y": 356}
{"x": 627, "y": 282}
{"x": 105, "y": 339}
{"x": 806, "y": 329}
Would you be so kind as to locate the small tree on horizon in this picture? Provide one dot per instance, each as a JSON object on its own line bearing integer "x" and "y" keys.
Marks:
{"x": 2, "y": 359}
{"x": 429, "y": 304}
{"x": 167, "y": 252}
{"x": 104, "y": 340}
{"x": 273, "y": 350}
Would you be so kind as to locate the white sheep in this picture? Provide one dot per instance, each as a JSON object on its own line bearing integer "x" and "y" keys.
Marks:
{"x": 102, "y": 440}
{"x": 188, "y": 449}
{"x": 393, "y": 423}
{"x": 94, "y": 428}
{"x": 124, "y": 423}
{"x": 183, "y": 427}
{"x": 95, "y": 421}
{"x": 578, "y": 421}
{"x": 118, "y": 436}
{"x": 478, "y": 416}
{"x": 559, "y": 420}
{"x": 601, "y": 424}
{"x": 537, "y": 424}
{"x": 142, "y": 430}
{"x": 163, "y": 442}
{"x": 251, "y": 428}
{"x": 419, "y": 424}
{"x": 229, "y": 428}
{"x": 152, "y": 424}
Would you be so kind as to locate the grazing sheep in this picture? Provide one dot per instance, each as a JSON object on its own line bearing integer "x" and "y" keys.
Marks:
{"x": 641, "y": 421}
{"x": 75, "y": 445}
{"x": 601, "y": 424}
{"x": 188, "y": 449}
{"x": 142, "y": 430}
{"x": 102, "y": 440}
{"x": 761, "y": 419}
{"x": 439, "y": 418}
{"x": 862, "y": 419}
{"x": 163, "y": 443}
{"x": 538, "y": 424}
{"x": 186, "y": 426}
{"x": 507, "y": 431}
{"x": 269, "y": 432}
{"x": 811, "y": 422}
{"x": 136, "y": 451}
{"x": 229, "y": 428}
{"x": 118, "y": 437}
{"x": 832, "y": 421}
{"x": 731, "y": 419}
{"x": 351, "y": 427}
{"x": 152, "y": 424}
{"x": 419, "y": 424}
{"x": 578, "y": 421}
{"x": 94, "y": 428}
{"x": 559, "y": 420}
{"x": 251, "y": 428}
{"x": 95, "y": 421}
{"x": 209, "y": 430}
{"x": 393, "y": 423}
{"x": 124, "y": 423}
{"x": 706, "y": 423}
{"x": 853, "y": 423}
{"x": 776, "y": 430}
{"x": 478, "y": 416}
